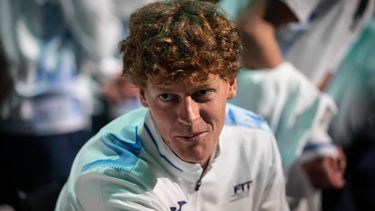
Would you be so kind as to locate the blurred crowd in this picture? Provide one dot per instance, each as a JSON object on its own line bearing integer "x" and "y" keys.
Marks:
{"x": 306, "y": 66}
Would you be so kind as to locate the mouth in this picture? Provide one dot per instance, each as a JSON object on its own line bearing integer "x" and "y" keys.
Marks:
{"x": 192, "y": 136}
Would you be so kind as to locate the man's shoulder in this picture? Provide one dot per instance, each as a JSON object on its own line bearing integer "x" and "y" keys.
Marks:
{"x": 112, "y": 162}
{"x": 240, "y": 117}
{"x": 248, "y": 130}
{"x": 116, "y": 149}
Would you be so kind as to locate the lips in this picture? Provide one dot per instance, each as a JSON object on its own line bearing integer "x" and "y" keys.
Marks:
{"x": 192, "y": 136}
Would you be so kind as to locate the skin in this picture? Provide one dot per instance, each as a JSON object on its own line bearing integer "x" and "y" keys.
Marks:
{"x": 327, "y": 172}
{"x": 189, "y": 117}
{"x": 258, "y": 28}
{"x": 119, "y": 90}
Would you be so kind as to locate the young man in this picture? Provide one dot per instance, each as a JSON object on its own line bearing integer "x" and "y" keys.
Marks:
{"x": 188, "y": 150}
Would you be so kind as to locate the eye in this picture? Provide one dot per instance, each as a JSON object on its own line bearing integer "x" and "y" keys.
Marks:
{"x": 201, "y": 95}
{"x": 166, "y": 97}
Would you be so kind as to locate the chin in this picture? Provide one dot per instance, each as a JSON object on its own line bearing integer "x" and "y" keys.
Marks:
{"x": 195, "y": 158}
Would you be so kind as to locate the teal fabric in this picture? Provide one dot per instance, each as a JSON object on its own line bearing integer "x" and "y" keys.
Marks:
{"x": 119, "y": 148}
{"x": 353, "y": 86}
{"x": 233, "y": 8}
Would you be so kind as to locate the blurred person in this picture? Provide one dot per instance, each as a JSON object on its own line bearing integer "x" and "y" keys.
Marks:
{"x": 297, "y": 111}
{"x": 45, "y": 119}
{"x": 120, "y": 95}
{"x": 327, "y": 29}
{"x": 176, "y": 153}
{"x": 5, "y": 81}
{"x": 352, "y": 88}
{"x": 316, "y": 47}
{"x": 299, "y": 115}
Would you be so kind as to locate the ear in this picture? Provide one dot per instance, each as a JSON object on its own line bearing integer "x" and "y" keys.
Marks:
{"x": 142, "y": 96}
{"x": 232, "y": 89}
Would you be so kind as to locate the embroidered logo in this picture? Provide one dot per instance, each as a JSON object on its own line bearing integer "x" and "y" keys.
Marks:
{"x": 241, "y": 191}
{"x": 180, "y": 204}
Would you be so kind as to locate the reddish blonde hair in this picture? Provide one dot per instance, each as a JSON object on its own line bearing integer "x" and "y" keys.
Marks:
{"x": 180, "y": 40}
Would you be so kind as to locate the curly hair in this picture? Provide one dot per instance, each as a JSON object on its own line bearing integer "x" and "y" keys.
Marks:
{"x": 180, "y": 40}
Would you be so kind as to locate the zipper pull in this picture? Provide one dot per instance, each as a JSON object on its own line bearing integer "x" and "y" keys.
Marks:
{"x": 198, "y": 184}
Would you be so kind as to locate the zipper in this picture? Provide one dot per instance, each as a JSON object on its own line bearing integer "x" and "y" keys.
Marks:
{"x": 198, "y": 183}
{"x": 209, "y": 166}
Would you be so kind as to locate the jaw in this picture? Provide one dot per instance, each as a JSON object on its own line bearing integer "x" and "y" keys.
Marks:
{"x": 193, "y": 151}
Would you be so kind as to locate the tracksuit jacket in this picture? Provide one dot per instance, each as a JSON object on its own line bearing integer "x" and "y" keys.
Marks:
{"x": 127, "y": 166}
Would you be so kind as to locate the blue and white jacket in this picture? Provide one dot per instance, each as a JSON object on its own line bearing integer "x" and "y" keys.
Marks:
{"x": 127, "y": 166}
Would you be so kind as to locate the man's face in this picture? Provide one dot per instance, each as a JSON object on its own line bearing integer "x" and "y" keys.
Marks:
{"x": 189, "y": 117}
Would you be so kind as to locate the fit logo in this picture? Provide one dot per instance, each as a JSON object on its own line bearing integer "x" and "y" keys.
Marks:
{"x": 241, "y": 191}
{"x": 180, "y": 204}
{"x": 242, "y": 187}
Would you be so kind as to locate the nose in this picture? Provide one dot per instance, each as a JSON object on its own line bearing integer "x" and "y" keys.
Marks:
{"x": 188, "y": 111}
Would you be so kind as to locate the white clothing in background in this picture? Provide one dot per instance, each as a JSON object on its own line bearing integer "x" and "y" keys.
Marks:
{"x": 299, "y": 116}
{"x": 326, "y": 35}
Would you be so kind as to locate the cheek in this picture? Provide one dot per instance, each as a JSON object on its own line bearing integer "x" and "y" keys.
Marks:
{"x": 160, "y": 113}
{"x": 217, "y": 108}
{"x": 219, "y": 117}
{"x": 164, "y": 122}
{"x": 214, "y": 115}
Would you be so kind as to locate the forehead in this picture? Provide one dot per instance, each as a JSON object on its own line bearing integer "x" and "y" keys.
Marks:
{"x": 213, "y": 80}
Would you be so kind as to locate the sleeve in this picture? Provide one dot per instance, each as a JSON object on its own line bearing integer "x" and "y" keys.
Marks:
{"x": 94, "y": 24}
{"x": 97, "y": 192}
{"x": 97, "y": 29}
{"x": 319, "y": 143}
{"x": 274, "y": 195}
{"x": 296, "y": 110}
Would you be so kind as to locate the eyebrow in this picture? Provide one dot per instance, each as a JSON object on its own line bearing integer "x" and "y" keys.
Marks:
{"x": 169, "y": 89}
